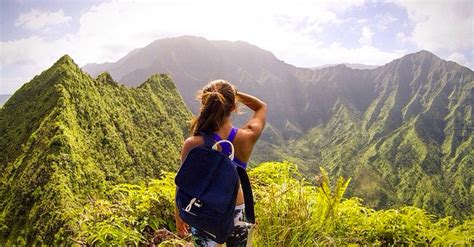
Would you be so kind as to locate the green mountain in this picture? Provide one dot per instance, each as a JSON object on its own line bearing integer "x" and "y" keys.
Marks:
{"x": 402, "y": 131}
{"x": 66, "y": 138}
{"x": 404, "y": 134}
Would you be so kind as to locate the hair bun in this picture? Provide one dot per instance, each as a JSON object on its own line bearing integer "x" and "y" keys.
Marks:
{"x": 216, "y": 96}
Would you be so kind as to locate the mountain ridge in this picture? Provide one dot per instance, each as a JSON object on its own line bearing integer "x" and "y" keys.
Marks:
{"x": 66, "y": 138}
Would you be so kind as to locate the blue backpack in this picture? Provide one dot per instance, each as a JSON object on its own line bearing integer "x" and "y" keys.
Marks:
{"x": 208, "y": 182}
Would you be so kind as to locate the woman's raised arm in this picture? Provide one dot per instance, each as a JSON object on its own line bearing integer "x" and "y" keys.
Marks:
{"x": 256, "y": 123}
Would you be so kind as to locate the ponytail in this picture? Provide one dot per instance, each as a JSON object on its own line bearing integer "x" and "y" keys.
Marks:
{"x": 217, "y": 103}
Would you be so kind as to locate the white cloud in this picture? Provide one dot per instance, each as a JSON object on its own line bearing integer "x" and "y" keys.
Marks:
{"x": 36, "y": 19}
{"x": 442, "y": 25}
{"x": 460, "y": 59}
{"x": 11, "y": 84}
{"x": 336, "y": 53}
{"x": 366, "y": 36}
{"x": 32, "y": 51}
{"x": 28, "y": 57}
{"x": 402, "y": 38}
{"x": 383, "y": 21}
{"x": 363, "y": 21}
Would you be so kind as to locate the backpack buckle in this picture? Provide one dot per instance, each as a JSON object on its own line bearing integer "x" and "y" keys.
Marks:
{"x": 195, "y": 202}
{"x": 190, "y": 205}
{"x": 231, "y": 156}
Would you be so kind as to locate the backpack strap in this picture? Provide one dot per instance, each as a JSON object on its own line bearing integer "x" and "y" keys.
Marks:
{"x": 248, "y": 196}
{"x": 244, "y": 179}
{"x": 208, "y": 139}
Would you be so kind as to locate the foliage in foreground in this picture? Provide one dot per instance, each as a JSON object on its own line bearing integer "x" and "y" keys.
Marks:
{"x": 128, "y": 211}
{"x": 291, "y": 211}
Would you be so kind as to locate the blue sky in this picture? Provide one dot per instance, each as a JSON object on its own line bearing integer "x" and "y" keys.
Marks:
{"x": 34, "y": 34}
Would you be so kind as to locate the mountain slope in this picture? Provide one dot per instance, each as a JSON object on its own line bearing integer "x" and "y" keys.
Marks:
{"x": 66, "y": 138}
{"x": 412, "y": 145}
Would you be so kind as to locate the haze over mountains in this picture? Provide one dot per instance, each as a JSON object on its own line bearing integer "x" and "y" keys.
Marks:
{"x": 193, "y": 61}
{"x": 403, "y": 131}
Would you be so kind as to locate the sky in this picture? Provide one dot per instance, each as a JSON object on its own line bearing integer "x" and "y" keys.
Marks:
{"x": 35, "y": 33}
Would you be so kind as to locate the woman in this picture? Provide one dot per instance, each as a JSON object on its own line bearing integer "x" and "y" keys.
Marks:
{"x": 218, "y": 100}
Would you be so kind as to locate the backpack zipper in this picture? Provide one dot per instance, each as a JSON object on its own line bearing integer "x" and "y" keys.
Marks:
{"x": 189, "y": 212}
{"x": 214, "y": 236}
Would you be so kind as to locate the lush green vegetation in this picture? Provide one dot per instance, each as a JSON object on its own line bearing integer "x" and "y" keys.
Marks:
{"x": 66, "y": 138}
{"x": 122, "y": 215}
{"x": 88, "y": 161}
{"x": 291, "y": 211}
{"x": 405, "y": 139}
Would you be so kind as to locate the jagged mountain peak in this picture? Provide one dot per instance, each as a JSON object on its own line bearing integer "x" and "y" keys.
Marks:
{"x": 65, "y": 59}
{"x": 159, "y": 81}
{"x": 105, "y": 77}
{"x": 423, "y": 53}
{"x": 66, "y": 137}
{"x": 420, "y": 58}
{"x": 66, "y": 63}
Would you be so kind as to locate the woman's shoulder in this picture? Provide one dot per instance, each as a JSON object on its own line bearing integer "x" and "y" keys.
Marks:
{"x": 248, "y": 134}
{"x": 193, "y": 141}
